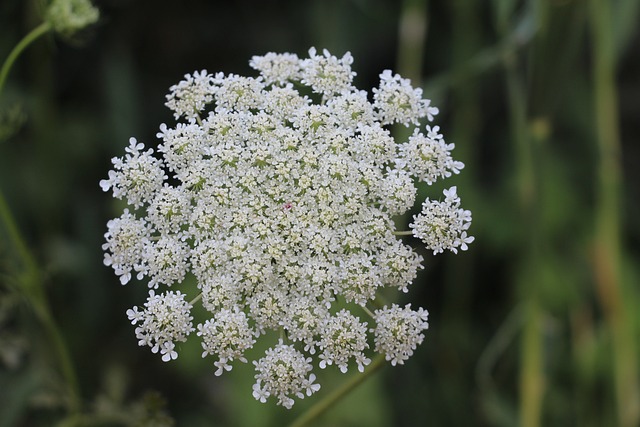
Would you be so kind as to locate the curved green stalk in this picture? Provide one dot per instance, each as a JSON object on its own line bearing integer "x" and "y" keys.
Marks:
{"x": 323, "y": 405}
{"x": 17, "y": 50}
{"x": 607, "y": 253}
{"x": 64, "y": 358}
{"x": 32, "y": 289}
{"x": 30, "y": 279}
{"x": 13, "y": 234}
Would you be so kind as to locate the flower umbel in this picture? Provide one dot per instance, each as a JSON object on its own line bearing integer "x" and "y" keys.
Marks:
{"x": 284, "y": 372}
{"x": 398, "y": 332}
{"x": 443, "y": 225}
{"x": 166, "y": 318}
{"x": 69, "y": 16}
{"x": 278, "y": 195}
{"x": 227, "y": 335}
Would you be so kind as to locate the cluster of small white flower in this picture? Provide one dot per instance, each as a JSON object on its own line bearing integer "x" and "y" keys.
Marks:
{"x": 280, "y": 200}
{"x": 67, "y": 17}
{"x": 443, "y": 225}
{"x": 165, "y": 319}
{"x": 282, "y": 372}
{"x": 399, "y": 331}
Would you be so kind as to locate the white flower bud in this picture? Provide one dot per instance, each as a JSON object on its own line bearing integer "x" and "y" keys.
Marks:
{"x": 70, "y": 16}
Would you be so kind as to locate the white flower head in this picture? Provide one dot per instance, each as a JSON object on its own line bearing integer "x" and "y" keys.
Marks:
{"x": 428, "y": 157}
{"x": 396, "y": 101}
{"x": 342, "y": 338}
{"x": 303, "y": 321}
{"x": 443, "y": 225}
{"x": 67, "y": 17}
{"x": 279, "y": 195}
{"x": 165, "y": 260}
{"x": 126, "y": 238}
{"x": 284, "y": 373}
{"x": 399, "y": 266}
{"x": 165, "y": 319}
{"x": 170, "y": 209}
{"x": 398, "y": 332}
{"x": 326, "y": 74}
{"x": 277, "y": 68}
{"x": 396, "y": 191}
{"x": 226, "y": 336}
{"x": 238, "y": 93}
{"x": 283, "y": 102}
{"x": 181, "y": 146}
{"x": 191, "y": 95}
{"x": 353, "y": 109}
{"x": 136, "y": 177}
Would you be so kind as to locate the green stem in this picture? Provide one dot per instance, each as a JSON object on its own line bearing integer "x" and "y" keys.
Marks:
{"x": 366, "y": 310}
{"x": 32, "y": 289}
{"x": 196, "y": 299}
{"x": 412, "y": 31}
{"x": 403, "y": 233}
{"x": 31, "y": 280}
{"x": 323, "y": 405}
{"x": 609, "y": 281}
{"x": 531, "y": 381}
{"x": 64, "y": 358}
{"x": 17, "y": 50}
{"x": 531, "y": 373}
{"x": 380, "y": 301}
{"x": 497, "y": 346}
{"x": 6, "y": 219}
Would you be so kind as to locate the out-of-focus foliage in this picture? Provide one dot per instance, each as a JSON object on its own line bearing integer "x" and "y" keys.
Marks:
{"x": 522, "y": 328}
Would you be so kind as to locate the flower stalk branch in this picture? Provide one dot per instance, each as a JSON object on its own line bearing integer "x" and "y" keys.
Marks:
{"x": 330, "y": 400}
{"x": 33, "y": 35}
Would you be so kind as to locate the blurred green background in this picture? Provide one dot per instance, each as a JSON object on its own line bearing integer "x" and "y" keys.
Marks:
{"x": 538, "y": 324}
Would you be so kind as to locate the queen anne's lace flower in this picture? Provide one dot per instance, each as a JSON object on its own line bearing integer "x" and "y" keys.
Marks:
{"x": 126, "y": 239}
{"x": 166, "y": 260}
{"x": 237, "y": 93}
{"x": 166, "y": 318}
{"x": 227, "y": 336}
{"x": 396, "y": 191}
{"x": 303, "y": 320}
{"x": 137, "y": 177}
{"x": 190, "y": 96}
{"x": 343, "y": 337}
{"x": 428, "y": 157}
{"x": 327, "y": 74}
{"x": 277, "y": 194}
{"x": 278, "y": 68}
{"x": 169, "y": 210}
{"x": 181, "y": 147}
{"x": 284, "y": 372}
{"x": 67, "y": 17}
{"x": 443, "y": 225}
{"x": 398, "y": 332}
{"x": 396, "y": 101}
